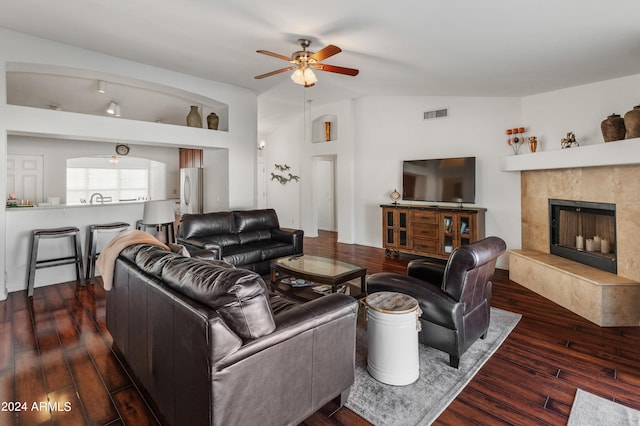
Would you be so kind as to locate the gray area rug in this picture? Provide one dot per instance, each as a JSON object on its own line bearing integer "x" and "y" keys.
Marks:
{"x": 421, "y": 402}
{"x": 591, "y": 410}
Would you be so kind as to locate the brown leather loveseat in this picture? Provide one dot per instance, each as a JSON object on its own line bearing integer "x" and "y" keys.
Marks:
{"x": 212, "y": 346}
{"x": 248, "y": 239}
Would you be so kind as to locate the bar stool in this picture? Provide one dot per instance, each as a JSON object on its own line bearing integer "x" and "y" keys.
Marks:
{"x": 64, "y": 232}
{"x": 92, "y": 244}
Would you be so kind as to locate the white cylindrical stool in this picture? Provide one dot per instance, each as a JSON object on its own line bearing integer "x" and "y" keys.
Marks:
{"x": 392, "y": 332}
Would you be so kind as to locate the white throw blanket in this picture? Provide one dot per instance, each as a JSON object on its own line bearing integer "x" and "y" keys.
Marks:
{"x": 107, "y": 260}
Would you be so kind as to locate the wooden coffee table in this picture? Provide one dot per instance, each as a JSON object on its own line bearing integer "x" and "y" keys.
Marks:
{"x": 316, "y": 269}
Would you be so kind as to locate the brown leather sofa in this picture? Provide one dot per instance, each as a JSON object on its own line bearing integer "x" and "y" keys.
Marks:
{"x": 454, "y": 298}
{"x": 212, "y": 346}
{"x": 248, "y": 239}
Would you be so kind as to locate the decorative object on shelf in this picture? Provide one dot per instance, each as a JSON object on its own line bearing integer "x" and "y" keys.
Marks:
{"x": 516, "y": 138}
{"x": 613, "y": 128}
{"x": 632, "y": 123}
{"x": 193, "y": 118}
{"x": 395, "y": 196}
{"x": 212, "y": 121}
{"x": 122, "y": 149}
{"x": 327, "y": 131}
{"x": 533, "y": 144}
{"x": 281, "y": 177}
{"x": 569, "y": 141}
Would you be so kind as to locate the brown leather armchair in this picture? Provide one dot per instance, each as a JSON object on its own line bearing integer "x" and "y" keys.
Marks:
{"x": 454, "y": 298}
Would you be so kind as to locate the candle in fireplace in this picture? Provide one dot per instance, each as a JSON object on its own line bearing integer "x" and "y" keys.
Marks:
{"x": 580, "y": 242}
{"x": 589, "y": 244}
{"x": 596, "y": 243}
{"x": 604, "y": 246}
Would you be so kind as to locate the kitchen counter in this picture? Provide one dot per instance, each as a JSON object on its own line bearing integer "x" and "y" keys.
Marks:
{"x": 70, "y": 206}
{"x": 20, "y": 221}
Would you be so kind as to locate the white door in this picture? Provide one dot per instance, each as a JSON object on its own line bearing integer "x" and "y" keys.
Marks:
{"x": 324, "y": 182}
{"x": 25, "y": 177}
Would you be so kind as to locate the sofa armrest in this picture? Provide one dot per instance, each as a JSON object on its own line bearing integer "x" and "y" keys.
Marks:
{"x": 338, "y": 308}
{"x": 197, "y": 248}
{"x": 291, "y": 236}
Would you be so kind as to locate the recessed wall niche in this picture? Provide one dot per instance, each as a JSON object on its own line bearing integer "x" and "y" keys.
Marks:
{"x": 74, "y": 90}
{"x": 323, "y": 132}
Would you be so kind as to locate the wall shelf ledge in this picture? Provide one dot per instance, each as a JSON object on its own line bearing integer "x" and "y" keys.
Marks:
{"x": 616, "y": 153}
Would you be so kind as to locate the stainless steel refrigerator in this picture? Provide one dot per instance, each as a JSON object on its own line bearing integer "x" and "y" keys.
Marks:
{"x": 191, "y": 195}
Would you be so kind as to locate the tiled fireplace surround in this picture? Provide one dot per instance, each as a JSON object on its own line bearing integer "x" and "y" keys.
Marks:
{"x": 604, "y": 298}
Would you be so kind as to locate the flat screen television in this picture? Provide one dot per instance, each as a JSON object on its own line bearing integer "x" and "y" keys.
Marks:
{"x": 440, "y": 180}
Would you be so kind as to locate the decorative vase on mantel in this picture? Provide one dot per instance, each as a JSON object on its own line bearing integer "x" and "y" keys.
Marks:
{"x": 193, "y": 118}
{"x": 327, "y": 131}
{"x": 613, "y": 128}
{"x": 632, "y": 122}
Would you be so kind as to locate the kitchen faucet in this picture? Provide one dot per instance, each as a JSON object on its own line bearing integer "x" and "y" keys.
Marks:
{"x": 98, "y": 196}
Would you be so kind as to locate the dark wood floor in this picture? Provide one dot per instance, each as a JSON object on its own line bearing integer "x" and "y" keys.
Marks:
{"x": 55, "y": 349}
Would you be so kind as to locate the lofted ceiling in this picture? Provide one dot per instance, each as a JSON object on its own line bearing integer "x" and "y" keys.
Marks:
{"x": 439, "y": 48}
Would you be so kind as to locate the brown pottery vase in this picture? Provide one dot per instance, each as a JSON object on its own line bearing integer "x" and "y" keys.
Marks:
{"x": 613, "y": 128}
{"x": 632, "y": 122}
{"x": 212, "y": 121}
{"x": 327, "y": 131}
{"x": 193, "y": 118}
{"x": 533, "y": 143}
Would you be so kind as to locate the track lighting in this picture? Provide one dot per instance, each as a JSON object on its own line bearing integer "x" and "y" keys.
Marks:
{"x": 117, "y": 111}
{"x": 102, "y": 86}
{"x": 111, "y": 109}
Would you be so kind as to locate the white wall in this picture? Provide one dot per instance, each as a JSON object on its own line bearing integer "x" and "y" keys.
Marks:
{"x": 391, "y": 129}
{"x": 290, "y": 143}
{"x": 283, "y": 146}
{"x": 375, "y": 134}
{"x": 579, "y": 109}
{"x": 239, "y": 140}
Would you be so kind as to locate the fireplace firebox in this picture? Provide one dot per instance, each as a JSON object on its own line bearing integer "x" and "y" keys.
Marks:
{"x": 584, "y": 232}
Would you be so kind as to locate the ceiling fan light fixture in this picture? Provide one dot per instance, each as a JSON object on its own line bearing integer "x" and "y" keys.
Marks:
{"x": 304, "y": 76}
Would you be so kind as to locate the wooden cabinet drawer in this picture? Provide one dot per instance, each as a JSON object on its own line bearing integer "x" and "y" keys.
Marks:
{"x": 429, "y": 218}
{"x": 426, "y": 231}
{"x": 428, "y": 245}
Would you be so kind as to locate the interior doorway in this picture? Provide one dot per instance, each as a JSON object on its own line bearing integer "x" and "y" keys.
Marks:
{"x": 325, "y": 189}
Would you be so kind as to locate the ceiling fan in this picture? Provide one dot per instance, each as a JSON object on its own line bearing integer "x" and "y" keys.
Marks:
{"x": 304, "y": 61}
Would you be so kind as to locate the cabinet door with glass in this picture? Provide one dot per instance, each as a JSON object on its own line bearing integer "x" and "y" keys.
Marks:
{"x": 395, "y": 229}
{"x": 458, "y": 229}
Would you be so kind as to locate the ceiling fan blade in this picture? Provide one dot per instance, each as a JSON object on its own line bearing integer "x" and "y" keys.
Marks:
{"x": 325, "y": 53}
{"x": 275, "y": 55}
{"x": 269, "y": 74}
{"x": 336, "y": 69}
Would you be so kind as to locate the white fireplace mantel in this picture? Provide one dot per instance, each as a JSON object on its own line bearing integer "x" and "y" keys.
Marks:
{"x": 606, "y": 154}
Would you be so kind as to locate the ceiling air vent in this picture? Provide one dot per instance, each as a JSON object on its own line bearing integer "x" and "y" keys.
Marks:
{"x": 438, "y": 113}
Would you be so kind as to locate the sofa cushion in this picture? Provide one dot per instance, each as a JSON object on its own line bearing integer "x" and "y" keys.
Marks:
{"x": 239, "y": 296}
{"x": 273, "y": 249}
{"x": 251, "y": 236}
{"x": 222, "y": 240}
{"x": 242, "y": 254}
{"x": 199, "y": 225}
{"x": 255, "y": 220}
